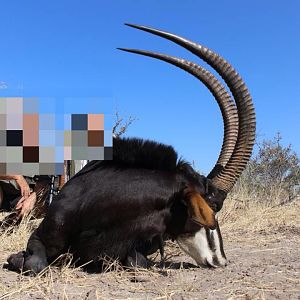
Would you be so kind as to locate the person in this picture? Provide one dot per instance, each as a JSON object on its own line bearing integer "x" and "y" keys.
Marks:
{"x": 16, "y": 194}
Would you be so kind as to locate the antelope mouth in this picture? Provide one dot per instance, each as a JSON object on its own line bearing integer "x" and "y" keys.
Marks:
{"x": 205, "y": 247}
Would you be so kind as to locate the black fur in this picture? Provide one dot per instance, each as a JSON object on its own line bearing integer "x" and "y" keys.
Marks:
{"x": 122, "y": 208}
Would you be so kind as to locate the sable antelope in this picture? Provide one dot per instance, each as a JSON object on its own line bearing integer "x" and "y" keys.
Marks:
{"x": 126, "y": 207}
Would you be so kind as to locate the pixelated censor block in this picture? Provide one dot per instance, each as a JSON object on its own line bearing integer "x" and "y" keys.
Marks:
{"x": 38, "y": 135}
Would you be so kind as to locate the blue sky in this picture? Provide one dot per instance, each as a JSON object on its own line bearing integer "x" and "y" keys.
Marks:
{"x": 68, "y": 49}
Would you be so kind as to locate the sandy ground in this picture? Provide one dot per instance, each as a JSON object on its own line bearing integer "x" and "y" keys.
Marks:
{"x": 262, "y": 247}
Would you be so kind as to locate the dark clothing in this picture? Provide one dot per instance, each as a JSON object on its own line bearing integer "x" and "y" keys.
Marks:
{"x": 11, "y": 193}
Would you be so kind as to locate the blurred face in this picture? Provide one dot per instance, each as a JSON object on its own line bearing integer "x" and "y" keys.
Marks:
{"x": 205, "y": 246}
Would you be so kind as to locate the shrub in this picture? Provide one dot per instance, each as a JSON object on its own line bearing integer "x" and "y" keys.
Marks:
{"x": 272, "y": 175}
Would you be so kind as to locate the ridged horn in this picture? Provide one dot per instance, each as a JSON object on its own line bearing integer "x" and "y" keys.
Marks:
{"x": 223, "y": 98}
{"x": 247, "y": 121}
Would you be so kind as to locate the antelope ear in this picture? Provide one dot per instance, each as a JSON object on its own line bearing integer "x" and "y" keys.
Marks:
{"x": 199, "y": 210}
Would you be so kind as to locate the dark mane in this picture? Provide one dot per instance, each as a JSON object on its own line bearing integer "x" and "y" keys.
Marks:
{"x": 139, "y": 153}
{"x": 186, "y": 168}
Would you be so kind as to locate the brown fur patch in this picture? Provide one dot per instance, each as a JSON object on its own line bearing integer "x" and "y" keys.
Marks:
{"x": 199, "y": 210}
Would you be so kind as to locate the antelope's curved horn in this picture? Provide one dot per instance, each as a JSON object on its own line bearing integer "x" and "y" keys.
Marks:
{"x": 247, "y": 121}
{"x": 225, "y": 102}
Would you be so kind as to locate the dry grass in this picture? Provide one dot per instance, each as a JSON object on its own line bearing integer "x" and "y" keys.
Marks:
{"x": 244, "y": 209}
{"x": 261, "y": 242}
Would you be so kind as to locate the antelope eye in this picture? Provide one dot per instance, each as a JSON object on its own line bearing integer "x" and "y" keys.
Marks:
{"x": 210, "y": 196}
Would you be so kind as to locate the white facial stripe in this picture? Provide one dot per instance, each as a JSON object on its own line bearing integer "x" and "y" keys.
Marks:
{"x": 203, "y": 247}
{"x": 218, "y": 253}
{"x": 198, "y": 246}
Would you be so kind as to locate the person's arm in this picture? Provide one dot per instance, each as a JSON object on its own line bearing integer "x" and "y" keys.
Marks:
{"x": 22, "y": 183}
{"x": 9, "y": 177}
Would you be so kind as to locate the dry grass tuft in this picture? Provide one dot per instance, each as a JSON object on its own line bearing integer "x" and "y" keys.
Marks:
{"x": 244, "y": 209}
